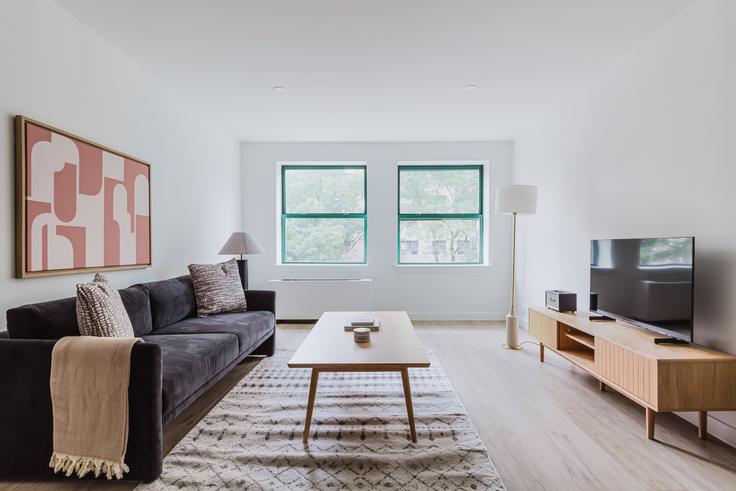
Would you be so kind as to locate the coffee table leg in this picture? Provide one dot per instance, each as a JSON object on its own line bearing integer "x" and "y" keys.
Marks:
{"x": 310, "y": 403}
{"x": 409, "y": 406}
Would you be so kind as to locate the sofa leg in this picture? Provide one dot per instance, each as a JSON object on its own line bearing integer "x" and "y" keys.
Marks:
{"x": 267, "y": 347}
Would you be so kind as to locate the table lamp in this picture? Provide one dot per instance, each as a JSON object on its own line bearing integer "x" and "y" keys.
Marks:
{"x": 515, "y": 199}
{"x": 241, "y": 243}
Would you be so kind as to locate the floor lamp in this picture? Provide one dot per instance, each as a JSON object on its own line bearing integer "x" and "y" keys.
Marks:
{"x": 241, "y": 243}
{"x": 515, "y": 199}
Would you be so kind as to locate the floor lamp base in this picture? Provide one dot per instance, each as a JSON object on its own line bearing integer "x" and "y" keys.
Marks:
{"x": 515, "y": 348}
{"x": 512, "y": 333}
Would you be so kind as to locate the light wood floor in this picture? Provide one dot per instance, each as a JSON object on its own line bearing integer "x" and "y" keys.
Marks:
{"x": 546, "y": 426}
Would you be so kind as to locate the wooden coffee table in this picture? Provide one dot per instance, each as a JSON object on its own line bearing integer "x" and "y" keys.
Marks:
{"x": 395, "y": 347}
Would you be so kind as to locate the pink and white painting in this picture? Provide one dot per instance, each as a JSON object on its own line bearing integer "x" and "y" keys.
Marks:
{"x": 81, "y": 206}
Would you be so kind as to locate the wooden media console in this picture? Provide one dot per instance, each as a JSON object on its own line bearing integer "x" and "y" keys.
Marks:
{"x": 662, "y": 378}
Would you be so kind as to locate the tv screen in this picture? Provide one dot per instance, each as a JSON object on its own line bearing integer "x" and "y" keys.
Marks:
{"x": 648, "y": 282}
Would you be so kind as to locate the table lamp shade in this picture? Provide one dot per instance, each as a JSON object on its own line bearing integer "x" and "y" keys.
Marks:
{"x": 241, "y": 243}
{"x": 516, "y": 198}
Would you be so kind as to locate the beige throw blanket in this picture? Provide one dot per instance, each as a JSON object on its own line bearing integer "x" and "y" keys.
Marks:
{"x": 89, "y": 395}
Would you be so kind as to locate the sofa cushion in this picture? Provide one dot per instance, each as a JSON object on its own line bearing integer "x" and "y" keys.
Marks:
{"x": 189, "y": 362}
{"x": 250, "y": 327}
{"x": 45, "y": 320}
{"x": 171, "y": 300}
{"x": 58, "y": 318}
{"x": 138, "y": 306}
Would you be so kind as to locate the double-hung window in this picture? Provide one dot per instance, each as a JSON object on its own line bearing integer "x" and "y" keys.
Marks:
{"x": 323, "y": 214}
{"x": 440, "y": 214}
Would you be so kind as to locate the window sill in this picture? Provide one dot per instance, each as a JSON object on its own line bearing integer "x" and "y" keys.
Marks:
{"x": 321, "y": 265}
{"x": 443, "y": 268}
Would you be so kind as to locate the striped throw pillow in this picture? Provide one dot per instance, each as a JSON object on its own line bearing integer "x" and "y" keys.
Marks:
{"x": 217, "y": 288}
{"x": 100, "y": 311}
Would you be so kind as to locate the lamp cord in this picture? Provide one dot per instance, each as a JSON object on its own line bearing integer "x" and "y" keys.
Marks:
{"x": 529, "y": 342}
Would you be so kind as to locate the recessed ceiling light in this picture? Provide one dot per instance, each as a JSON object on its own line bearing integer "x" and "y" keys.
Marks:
{"x": 278, "y": 88}
{"x": 470, "y": 88}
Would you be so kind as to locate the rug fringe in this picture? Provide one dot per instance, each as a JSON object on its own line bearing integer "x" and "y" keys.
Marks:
{"x": 81, "y": 466}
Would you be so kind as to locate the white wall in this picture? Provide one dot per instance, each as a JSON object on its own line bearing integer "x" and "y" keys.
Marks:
{"x": 648, "y": 150}
{"x": 426, "y": 292}
{"x": 54, "y": 69}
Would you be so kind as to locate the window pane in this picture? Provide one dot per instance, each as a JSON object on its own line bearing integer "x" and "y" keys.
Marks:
{"x": 324, "y": 190}
{"x": 439, "y": 241}
{"x": 439, "y": 191}
{"x": 316, "y": 240}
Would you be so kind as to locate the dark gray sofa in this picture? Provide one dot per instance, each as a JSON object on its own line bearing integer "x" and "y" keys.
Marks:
{"x": 181, "y": 358}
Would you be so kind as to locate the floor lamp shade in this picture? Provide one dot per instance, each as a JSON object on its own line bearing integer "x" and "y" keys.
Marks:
{"x": 516, "y": 198}
{"x": 241, "y": 243}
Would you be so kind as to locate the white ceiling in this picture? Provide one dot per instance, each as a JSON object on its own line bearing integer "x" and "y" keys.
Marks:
{"x": 374, "y": 70}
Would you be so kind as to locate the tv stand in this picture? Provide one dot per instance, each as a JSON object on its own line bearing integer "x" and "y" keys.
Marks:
{"x": 659, "y": 377}
{"x": 670, "y": 341}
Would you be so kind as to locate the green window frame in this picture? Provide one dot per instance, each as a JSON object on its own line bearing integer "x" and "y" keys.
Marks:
{"x": 286, "y": 216}
{"x": 478, "y": 215}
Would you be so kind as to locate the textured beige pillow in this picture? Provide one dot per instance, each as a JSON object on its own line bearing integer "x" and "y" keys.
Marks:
{"x": 100, "y": 311}
{"x": 217, "y": 288}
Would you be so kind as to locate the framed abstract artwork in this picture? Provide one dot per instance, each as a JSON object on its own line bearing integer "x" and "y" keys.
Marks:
{"x": 80, "y": 207}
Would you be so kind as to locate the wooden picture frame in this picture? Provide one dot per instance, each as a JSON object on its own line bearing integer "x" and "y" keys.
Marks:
{"x": 80, "y": 206}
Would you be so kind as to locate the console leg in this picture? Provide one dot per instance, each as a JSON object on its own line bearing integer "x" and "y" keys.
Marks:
{"x": 541, "y": 352}
{"x": 601, "y": 386}
{"x": 702, "y": 425}
{"x": 650, "y": 423}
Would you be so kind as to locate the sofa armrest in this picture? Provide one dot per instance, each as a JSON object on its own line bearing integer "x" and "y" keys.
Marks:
{"x": 26, "y": 431}
{"x": 261, "y": 300}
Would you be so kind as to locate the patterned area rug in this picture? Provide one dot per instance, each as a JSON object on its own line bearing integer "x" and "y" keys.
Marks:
{"x": 359, "y": 439}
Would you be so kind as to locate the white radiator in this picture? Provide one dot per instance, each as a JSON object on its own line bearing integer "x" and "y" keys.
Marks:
{"x": 302, "y": 299}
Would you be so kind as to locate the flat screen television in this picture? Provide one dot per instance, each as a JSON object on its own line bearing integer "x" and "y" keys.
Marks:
{"x": 648, "y": 282}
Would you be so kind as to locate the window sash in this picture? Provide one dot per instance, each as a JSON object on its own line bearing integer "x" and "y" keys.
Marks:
{"x": 413, "y": 218}
{"x": 441, "y": 216}
{"x": 449, "y": 167}
{"x": 363, "y": 216}
{"x": 286, "y": 168}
